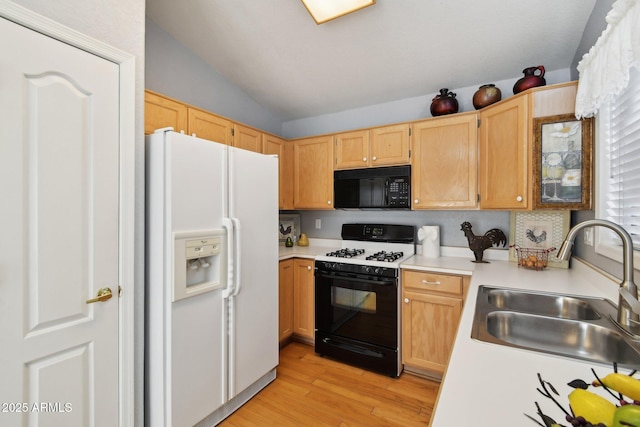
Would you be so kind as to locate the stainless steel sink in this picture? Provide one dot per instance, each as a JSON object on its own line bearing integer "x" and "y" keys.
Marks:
{"x": 544, "y": 304}
{"x": 572, "y": 326}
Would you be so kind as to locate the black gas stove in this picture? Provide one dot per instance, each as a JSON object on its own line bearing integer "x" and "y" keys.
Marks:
{"x": 357, "y": 296}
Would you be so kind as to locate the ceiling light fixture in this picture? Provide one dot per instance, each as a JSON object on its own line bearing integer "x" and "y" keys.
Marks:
{"x": 326, "y": 10}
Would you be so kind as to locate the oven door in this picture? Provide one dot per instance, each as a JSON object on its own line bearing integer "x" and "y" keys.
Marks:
{"x": 356, "y": 307}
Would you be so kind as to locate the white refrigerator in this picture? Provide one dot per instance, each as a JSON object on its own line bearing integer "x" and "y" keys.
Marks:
{"x": 211, "y": 278}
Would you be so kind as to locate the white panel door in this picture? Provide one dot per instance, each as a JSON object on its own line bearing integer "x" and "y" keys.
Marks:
{"x": 253, "y": 200}
{"x": 59, "y": 164}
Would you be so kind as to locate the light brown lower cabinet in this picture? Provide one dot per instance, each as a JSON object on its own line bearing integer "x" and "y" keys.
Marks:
{"x": 431, "y": 309}
{"x": 285, "y": 300}
{"x": 296, "y": 300}
{"x": 303, "y": 299}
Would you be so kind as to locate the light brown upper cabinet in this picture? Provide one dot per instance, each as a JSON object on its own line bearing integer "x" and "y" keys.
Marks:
{"x": 284, "y": 150}
{"x": 209, "y": 126}
{"x": 504, "y": 154}
{"x": 381, "y": 146}
{"x": 444, "y": 162}
{"x": 247, "y": 138}
{"x": 162, "y": 112}
{"x": 506, "y": 139}
{"x": 390, "y": 145}
{"x": 352, "y": 150}
{"x": 313, "y": 173}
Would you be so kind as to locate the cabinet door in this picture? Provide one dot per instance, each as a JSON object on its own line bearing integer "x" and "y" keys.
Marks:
{"x": 285, "y": 306}
{"x": 352, "y": 150}
{"x": 313, "y": 173}
{"x": 504, "y": 152}
{"x": 390, "y": 145}
{"x": 247, "y": 138}
{"x": 162, "y": 112}
{"x": 284, "y": 150}
{"x": 209, "y": 126}
{"x": 429, "y": 326}
{"x": 303, "y": 298}
{"x": 444, "y": 162}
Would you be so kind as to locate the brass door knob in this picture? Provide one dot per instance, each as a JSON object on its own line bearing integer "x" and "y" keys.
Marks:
{"x": 103, "y": 295}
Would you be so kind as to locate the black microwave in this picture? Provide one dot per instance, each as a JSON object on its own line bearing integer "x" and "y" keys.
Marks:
{"x": 373, "y": 188}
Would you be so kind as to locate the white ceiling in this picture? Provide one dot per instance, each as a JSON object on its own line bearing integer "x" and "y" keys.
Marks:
{"x": 392, "y": 50}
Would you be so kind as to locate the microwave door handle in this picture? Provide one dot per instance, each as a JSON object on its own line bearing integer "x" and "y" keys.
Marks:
{"x": 386, "y": 192}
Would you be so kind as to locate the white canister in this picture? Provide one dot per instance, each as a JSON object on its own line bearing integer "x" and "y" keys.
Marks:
{"x": 429, "y": 235}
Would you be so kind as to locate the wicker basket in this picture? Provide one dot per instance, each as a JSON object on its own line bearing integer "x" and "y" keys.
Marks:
{"x": 533, "y": 259}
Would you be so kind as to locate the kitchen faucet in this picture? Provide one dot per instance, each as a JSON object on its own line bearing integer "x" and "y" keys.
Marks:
{"x": 628, "y": 304}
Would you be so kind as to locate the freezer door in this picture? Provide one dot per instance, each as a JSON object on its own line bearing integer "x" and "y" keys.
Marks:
{"x": 196, "y": 182}
{"x": 186, "y": 341}
{"x": 253, "y": 207}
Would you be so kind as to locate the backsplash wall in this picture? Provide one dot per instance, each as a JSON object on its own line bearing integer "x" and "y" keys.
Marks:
{"x": 449, "y": 222}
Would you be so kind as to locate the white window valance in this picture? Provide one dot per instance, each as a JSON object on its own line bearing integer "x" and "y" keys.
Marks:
{"x": 604, "y": 70}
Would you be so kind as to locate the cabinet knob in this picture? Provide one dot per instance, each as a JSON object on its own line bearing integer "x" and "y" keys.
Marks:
{"x": 415, "y": 201}
{"x": 519, "y": 199}
{"x": 406, "y": 300}
{"x": 309, "y": 267}
{"x": 364, "y": 159}
{"x": 374, "y": 158}
{"x": 328, "y": 202}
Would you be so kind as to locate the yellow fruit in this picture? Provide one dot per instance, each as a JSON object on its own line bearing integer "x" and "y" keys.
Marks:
{"x": 621, "y": 383}
{"x": 594, "y": 408}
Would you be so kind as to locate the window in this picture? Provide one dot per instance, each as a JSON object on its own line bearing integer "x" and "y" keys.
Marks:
{"x": 618, "y": 167}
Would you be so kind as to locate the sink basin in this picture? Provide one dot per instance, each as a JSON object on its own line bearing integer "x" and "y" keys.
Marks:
{"x": 571, "y": 326}
{"x": 561, "y": 336}
{"x": 545, "y": 304}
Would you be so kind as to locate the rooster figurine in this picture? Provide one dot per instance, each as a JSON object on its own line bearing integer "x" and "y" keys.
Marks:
{"x": 478, "y": 244}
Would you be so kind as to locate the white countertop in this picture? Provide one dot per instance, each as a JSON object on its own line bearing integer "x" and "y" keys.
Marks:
{"x": 316, "y": 247}
{"x": 493, "y": 385}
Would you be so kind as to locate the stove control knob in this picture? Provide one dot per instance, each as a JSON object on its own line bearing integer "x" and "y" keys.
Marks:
{"x": 379, "y": 270}
{"x": 366, "y": 269}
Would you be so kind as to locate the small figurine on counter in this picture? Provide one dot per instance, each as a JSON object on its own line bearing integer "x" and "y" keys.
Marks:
{"x": 288, "y": 243}
{"x": 478, "y": 244}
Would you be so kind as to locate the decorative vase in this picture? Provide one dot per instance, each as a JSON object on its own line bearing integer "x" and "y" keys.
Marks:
{"x": 486, "y": 95}
{"x": 530, "y": 79}
{"x": 445, "y": 103}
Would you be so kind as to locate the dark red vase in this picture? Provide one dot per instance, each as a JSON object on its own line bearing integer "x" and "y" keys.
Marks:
{"x": 486, "y": 95}
{"x": 530, "y": 79}
{"x": 445, "y": 103}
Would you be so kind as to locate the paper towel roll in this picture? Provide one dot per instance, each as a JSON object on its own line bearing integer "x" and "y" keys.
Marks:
{"x": 429, "y": 235}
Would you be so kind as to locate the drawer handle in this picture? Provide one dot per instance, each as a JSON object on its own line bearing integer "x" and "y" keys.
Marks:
{"x": 426, "y": 282}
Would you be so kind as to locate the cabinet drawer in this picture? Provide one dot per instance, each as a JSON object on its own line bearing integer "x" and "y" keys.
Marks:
{"x": 433, "y": 282}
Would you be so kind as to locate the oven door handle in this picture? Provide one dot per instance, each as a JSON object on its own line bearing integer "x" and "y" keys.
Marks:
{"x": 355, "y": 279}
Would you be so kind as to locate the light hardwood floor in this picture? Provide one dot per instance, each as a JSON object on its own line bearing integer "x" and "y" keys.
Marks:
{"x": 310, "y": 390}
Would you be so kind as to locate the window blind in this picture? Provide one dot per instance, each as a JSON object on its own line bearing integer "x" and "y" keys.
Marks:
{"x": 622, "y": 127}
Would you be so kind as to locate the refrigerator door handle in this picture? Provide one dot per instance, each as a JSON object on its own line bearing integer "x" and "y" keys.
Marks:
{"x": 237, "y": 251}
{"x": 227, "y": 224}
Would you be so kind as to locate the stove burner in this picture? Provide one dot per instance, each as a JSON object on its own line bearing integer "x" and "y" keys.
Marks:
{"x": 346, "y": 253}
{"x": 385, "y": 256}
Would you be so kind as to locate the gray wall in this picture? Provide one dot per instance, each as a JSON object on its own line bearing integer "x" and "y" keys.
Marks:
{"x": 175, "y": 71}
{"x": 119, "y": 23}
{"x": 449, "y": 222}
{"x": 415, "y": 108}
{"x": 592, "y": 31}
